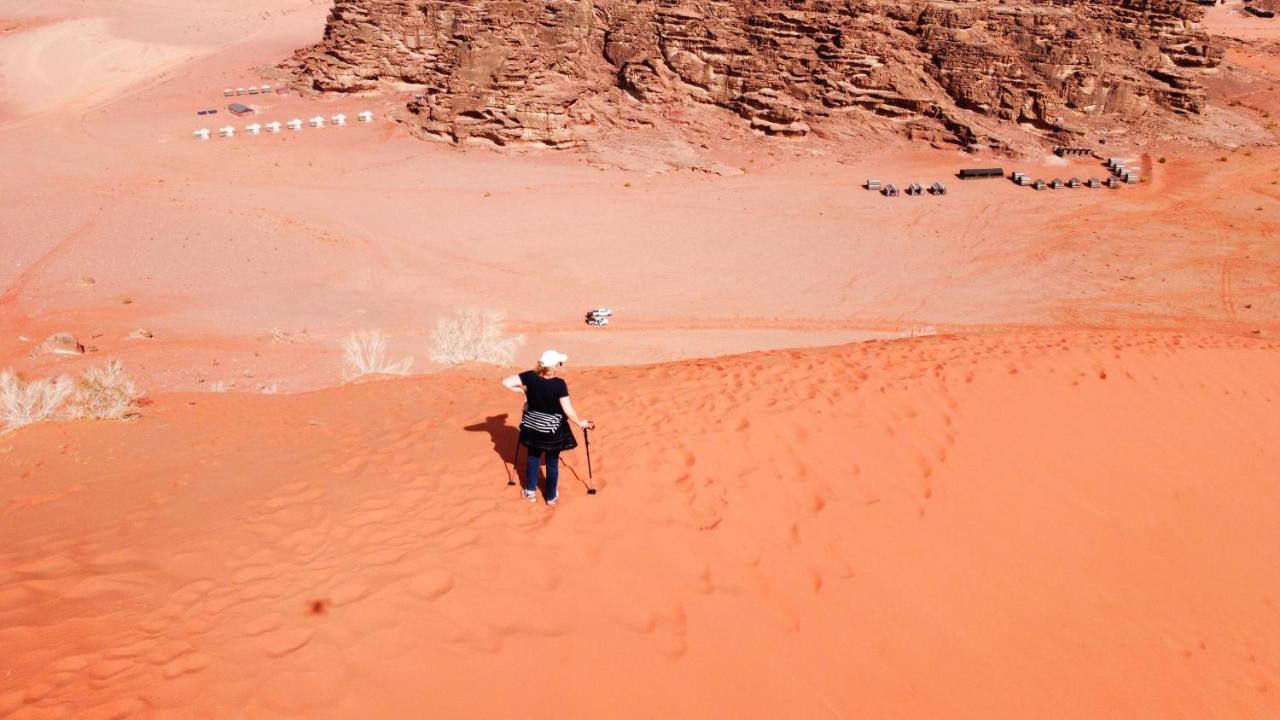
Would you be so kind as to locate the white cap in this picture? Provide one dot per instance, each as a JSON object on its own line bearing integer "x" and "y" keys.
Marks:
{"x": 551, "y": 358}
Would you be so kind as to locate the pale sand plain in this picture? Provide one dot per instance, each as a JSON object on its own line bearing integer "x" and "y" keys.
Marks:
{"x": 1060, "y": 507}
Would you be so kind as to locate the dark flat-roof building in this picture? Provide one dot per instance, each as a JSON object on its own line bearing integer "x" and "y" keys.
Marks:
{"x": 968, "y": 173}
{"x": 238, "y": 109}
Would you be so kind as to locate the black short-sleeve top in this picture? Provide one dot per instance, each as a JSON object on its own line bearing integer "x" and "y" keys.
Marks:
{"x": 543, "y": 394}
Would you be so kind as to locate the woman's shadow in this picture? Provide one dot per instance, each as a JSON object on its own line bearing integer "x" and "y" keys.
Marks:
{"x": 505, "y": 438}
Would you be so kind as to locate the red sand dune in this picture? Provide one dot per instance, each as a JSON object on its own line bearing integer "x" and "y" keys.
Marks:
{"x": 953, "y": 527}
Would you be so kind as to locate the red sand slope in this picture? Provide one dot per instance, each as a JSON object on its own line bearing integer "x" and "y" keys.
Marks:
{"x": 1026, "y": 525}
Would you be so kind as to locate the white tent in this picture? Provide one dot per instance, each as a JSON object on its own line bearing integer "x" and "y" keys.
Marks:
{"x": 273, "y": 127}
{"x": 339, "y": 119}
{"x": 264, "y": 89}
{"x": 295, "y": 124}
{"x": 253, "y": 129}
{"x": 227, "y": 131}
{"x": 228, "y": 92}
{"x": 317, "y": 122}
{"x": 202, "y": 134}
{"x": 365, "y": 116}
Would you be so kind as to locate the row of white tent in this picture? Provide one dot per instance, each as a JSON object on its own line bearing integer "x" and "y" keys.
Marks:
{"x": 253, "y": 90}
{"x": 274, "y": 127}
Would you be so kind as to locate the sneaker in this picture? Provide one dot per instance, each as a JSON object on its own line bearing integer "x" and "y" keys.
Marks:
{"x": 530, "y": 495}
{"x": 552, "y": 502}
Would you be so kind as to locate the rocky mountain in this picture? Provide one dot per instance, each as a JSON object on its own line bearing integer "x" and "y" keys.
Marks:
{"x": 967, "y": 72}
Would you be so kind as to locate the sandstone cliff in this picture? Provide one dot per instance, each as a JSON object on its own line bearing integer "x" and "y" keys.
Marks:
{"x": 548, "y": 71}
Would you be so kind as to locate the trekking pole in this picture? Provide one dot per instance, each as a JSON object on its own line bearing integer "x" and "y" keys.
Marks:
{"x": 515, "y": 462}
{"x": 586, "y": 438}
{"x": 515, "y": 456}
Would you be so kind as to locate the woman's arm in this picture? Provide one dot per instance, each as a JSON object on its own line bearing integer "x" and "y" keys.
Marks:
{"x": 567, "y": 405}
{"x": 513, "y": 384}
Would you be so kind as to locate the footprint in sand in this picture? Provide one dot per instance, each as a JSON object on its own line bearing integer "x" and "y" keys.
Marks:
{"x": 305, "y": 541}
{"x": 817, "y": 502}
{"x": 283, "y": 642}
{"x": 376, "y": 516}
{"x": 459, "y": 539}
{"x": 667, "y": 628}
{"x": 386, "y": 556}
{"x": 253, "y": 573}
{"x": 283, "y": 501}
{"x": 267, "y": 590}
{"x": 185, "y": 598}
{"x": 185, "y": 665}
{"x": 926, "y": 467}
{"x": 349, "y": 592}
{"x": 105, "y": 669}
{"x": 431, "y": 584}
{"x": 115, "y": 710}
{"x": 200, "y": 624}
{"x": 71, "y": 664}
{"x": 262, "y": 625}
{"x": 168, "y": 652}
{"x": 132, "y": 650}
{"x": 295, "y": 487}
{"x": 353, "y": 466}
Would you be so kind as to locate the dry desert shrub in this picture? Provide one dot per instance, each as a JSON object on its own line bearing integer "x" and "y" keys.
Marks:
{"x": 474, "y": 336}
{"x": 23, "y": 403}
{"x": 365, "y": 353}
{"x": 101, "y": 393}
{"x": 104, "y": 393}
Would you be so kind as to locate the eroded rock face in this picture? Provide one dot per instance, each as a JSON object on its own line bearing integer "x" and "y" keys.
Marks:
{"x": 513, "y": 71}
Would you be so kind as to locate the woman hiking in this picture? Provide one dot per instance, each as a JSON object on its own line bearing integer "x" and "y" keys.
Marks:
{"x": 544, "y": 429}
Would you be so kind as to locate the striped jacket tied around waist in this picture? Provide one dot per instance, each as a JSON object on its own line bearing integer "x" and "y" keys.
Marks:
{"x": 541, "y": 422}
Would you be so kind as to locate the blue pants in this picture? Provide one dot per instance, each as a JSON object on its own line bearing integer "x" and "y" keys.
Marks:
{"x": 553, "y": 471}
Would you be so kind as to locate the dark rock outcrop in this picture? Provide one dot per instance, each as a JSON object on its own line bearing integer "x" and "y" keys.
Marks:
{"x": 547, "y": 71}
